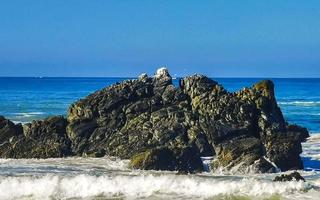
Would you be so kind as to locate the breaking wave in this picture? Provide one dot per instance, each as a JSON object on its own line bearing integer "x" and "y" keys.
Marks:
{"x": 28, "y": 114}
{"x": 110, "y": 178}
{"x": 300, "y": 103}
{"x": 311, "y": 148}
{"x": 142, "y": 186}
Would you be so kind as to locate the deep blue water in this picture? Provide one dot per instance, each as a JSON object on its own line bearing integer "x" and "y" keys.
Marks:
{"x": 26, "y": 99}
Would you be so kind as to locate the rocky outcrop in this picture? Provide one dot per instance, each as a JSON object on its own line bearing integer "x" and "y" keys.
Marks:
{"x": 165, "y": 127}
{"x": 39, "y": 139}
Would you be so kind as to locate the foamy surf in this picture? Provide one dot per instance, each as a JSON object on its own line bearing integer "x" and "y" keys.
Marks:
{"x": 109, "y": 178}
{"x": 27, "y": 114}
{"x": 311, "y": 148}
{"x": 143, "y": 186}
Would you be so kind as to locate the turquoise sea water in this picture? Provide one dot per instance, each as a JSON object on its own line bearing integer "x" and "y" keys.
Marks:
{"x": 25, "y": 99}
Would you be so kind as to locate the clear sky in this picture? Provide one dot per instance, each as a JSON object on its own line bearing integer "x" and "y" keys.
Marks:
{"x": 257, "y": 38}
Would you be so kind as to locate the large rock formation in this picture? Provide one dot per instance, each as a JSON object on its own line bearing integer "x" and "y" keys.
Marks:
{"x": 160, "y": 126}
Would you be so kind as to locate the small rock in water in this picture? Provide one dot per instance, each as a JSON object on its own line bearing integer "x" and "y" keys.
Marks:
{"x": 295, "y": 176}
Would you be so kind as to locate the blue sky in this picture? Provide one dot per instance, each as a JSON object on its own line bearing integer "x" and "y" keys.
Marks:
{"x": 268, "y": 38}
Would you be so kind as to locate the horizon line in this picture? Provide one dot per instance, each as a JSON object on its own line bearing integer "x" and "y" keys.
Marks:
{"x": 178, "y": 77}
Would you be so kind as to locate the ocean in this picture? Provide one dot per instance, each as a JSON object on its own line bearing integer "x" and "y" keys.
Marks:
{"x": 25, "y": 99}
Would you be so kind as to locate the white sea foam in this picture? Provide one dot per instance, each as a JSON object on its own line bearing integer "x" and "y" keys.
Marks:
{"x": 28, "y": 114}
{"x": 88, "y": 178}
{"x": 18, "y": 122}
{"x": 206, "y": 161}
{"x": 311, "y": 148}
{"x": 141, "y": 186}
{"x": 105, "y": 178}
{"x": 63, "y": 165}
{"x": 300, "y": 103}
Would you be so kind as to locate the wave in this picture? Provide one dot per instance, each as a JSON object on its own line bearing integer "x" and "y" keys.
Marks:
{"x": 300, "y": 103}
{"x": 110, "y": 178}
{"x": 142, "y": 186}
{"x": 28, "y": 114}
{"x": 303, "y": 113}
{"x": 61, "y": 165}
{"x": 19, "y": 122}
{"x": 311, "y": 148}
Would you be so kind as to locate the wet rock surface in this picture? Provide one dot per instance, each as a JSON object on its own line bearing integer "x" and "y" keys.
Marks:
{"x": 294, "y": 176}
{"x": 163, "y": 127}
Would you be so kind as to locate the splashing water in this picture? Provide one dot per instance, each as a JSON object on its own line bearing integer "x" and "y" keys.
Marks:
{"x": 103, "y": 178}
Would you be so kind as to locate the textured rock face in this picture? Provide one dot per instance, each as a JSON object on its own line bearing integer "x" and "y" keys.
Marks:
{"x": 160, "y": 126}
{"x": 294, "y": 176}
{"x": 39, "y": 139}
{"x": 138, "y": 116}
{"x": 183, "y": 160}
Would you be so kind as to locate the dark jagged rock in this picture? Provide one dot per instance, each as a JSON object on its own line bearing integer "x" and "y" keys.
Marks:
{"x": 39, "y": 139}
{"x": 294, "y": 176}
{"x": 183, "y": 160}
{"x": 8, "y": 132}
{"x": 8, "y": 129}
{"x": 160, "y": 126}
